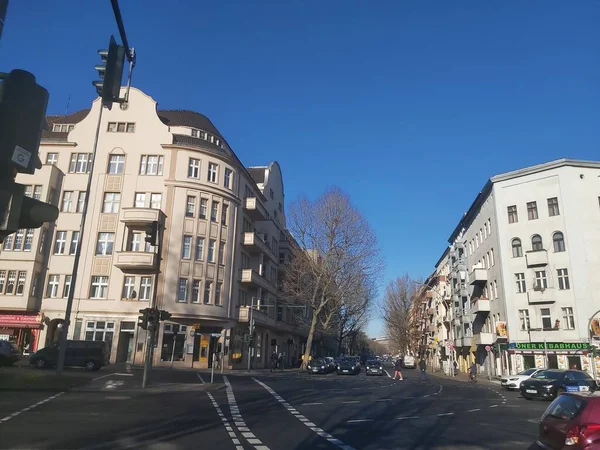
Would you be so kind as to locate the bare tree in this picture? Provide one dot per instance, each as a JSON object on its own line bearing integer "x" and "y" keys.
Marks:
{"x": 396, "y": 311}
{"x": 337, "y": 250}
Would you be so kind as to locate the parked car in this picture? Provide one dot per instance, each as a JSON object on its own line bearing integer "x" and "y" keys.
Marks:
{"x": 348, "y": 366}
{"x": 571, "y": 421}
{"x": 373, "y": 367}
{"x": 9, "y": 353}
{"x": 514, "y": 381}
{"x": 549, "y": 383}
{"x": 409, "y": 362}
{"x": 317, "y": 365}
{"x": 92, "y": 355}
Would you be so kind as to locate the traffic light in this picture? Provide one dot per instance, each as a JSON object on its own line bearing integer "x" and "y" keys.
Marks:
{"x": 153, "y": 317}
{"x": 152, "y": 233}
{"x": 143, "y": 319}
{"x": 111, "y": 73}
{"x": 164, "y": 315}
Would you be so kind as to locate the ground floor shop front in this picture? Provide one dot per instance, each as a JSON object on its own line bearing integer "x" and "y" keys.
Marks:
{"x": 22, "y": 328}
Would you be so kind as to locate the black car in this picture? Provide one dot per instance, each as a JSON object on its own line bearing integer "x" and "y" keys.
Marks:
{"x": 547, "y": 384}
{"x": 373, "y": 367}
{"x": 317, "y": 366}
{"x": 91, "y": 355}
{"x": 349, "y": 366}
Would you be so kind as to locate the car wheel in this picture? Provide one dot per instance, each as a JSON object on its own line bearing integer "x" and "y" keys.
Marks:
{"x": 91, "y": 365}
{"x": 40, "y": 363}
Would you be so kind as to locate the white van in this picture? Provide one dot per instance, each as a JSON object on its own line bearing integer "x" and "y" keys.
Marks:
{"x": 409, "y": 362}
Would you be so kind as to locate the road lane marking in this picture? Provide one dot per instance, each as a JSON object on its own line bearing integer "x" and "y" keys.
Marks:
{"x": 200, "y": 376}
{"x": 312, "y": 404}
{"x": 473, "y": 410}
{"x": 103, "y": 376}
{"x": 384, "y": 400}
{"x": 238, "y": 420}
{"x": 494, "y": 406}
{"x": 359, "y": 420}
{"x": 117, "y": 397}
{"x": 124, "y": 374}
{"x": 445, "y": 414}
{"x": 35, "y": 405}
{"x": 310, "y": 425}
{"x": 387, "y": 373}
{"x": 352, "y": 401}
{"x": 407, "y": 417}
{"x": 228, "y": 427}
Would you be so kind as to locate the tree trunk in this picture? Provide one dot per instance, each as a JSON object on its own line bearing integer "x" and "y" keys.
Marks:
{"x": 309, "y": 340}
{"x": 340, "y": 339}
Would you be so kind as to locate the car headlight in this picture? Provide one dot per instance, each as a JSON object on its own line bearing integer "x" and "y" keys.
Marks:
{"x": 338, "y": 367}
{"x": 322, "y": 367}
{"x": 308, "y": 367}
{"x": 548, "y": 387}
{"x": 380, "y": 368}
{"x": 352, "y": 368}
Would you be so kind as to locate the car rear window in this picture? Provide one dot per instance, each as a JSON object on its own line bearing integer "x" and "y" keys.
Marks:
{"x": 565, "y": 407}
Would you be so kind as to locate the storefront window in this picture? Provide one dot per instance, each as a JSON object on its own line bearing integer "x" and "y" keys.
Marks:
{"x": 100, "y": 331}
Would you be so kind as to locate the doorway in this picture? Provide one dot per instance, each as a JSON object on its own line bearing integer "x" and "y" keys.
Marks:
{"x": 528, "y": 362}
{"x": 552, "y": 361}
{"x": 125, "y": 347}
{"x": 574, "y": 362}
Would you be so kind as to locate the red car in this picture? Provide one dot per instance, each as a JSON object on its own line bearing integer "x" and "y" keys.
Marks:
{"x": 572, "y": 421}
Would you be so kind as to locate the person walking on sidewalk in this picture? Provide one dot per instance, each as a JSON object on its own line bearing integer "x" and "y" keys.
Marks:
{"x": 274, "y": 361}
{"x": 473, "y": 372}
{"x": 397, "y": 372}
{"x": 423, "y": 368}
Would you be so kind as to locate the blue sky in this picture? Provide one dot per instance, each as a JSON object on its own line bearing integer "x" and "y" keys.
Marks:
{"x": 408, "y": 106}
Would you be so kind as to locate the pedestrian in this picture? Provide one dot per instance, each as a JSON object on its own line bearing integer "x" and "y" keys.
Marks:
{"x": 273, "y": 361}
{"x": 397, "y": 372}
{"x": 473, "y": 372}
{"x": 423, "y": 368}
{"x": 280, "y": 361}
{"x": 455, "y": 365}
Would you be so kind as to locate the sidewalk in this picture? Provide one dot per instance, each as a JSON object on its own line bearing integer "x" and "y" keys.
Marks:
{"x": 464, "y": 377}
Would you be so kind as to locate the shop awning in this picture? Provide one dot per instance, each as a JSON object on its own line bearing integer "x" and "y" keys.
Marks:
{"x": 20, "y": 320}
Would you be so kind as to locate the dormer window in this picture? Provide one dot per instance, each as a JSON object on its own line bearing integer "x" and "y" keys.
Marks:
{"x": 62, "y": 127}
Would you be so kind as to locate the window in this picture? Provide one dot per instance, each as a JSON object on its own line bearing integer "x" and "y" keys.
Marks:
{"x": 536, "y": 243}
{"x": 99, "y": 287}
{"x": 80, "y": 163}
{"x": 19, "y": 236}
{"x": 61, "y": 243}
{"x": 194, "y": 133}
{"x": 532, "y": 212}
{"x": 495, "y": 287}
{"x": 111, "y": 202}
{"x": 74, "y": 242}
{"x": 116, "y": 164}
{"x": 558, "y": 240}
{"x": 195, "y": 291}
{"x": 553, "y": 207}
{"x": 190, "y": 208}
{"x": 52, "y": 289}
{"x": 28, "y": 192}
{"x": 541, "y": 282}
{"x": 100, "y": 331}
{"x": 489, "y": 226}
{"x": 218, "y": 288}
{"x": 37, "y": 192}
{"x": 80, "y": 202}
{"x": 483, "y": 233}
{"x": 228, "y": 177}
{"x": 546, "y": 318}
{"x": 12, "y": 278}
{"x": 520, "y": 278}
{"x": 563, "y": 279}
{"x": 8, "y": 242}
{"x": 211, "y": 250}
{"x": 140, "y": 200}
{"x": 214, "y": 211}
{"x": 43, "y": 235}
{"x": 194, "y": 168}
{"x": 34, "y": 283}
{"x": 135, "y": 241}
{"x": 104, "y": 245}
{"x": 517, "y": 250}
{"x": 568, "y": 318}
{"x": 524, "y": 319}
{"x": 203, "y": 208}
{"x": 245, "y": 261}
{"x": 182, "y": 291}
{"x": 199, "y": 248}
{"x": 52, "y": 159}
{"x": 224, "y": 214}
{"x": 67, "y": 201}
{"x": 145, "y": 288}
{"x": 186, "y": 248}
{"x": 512, "y": 214}
{"x": 28, "y": 240}
{"x": 281, "y": 258}
{"x": 248, "y": 228}
{"x": 222, "y": 253}
{"x": 2, "y": 280}
{"x": 21, "y": 282}
{"x": 67, "y": 286}
{"x": 128, "y": 287}
{"x": 151, "y": 165}
{"x": 207, "y": 292}
{"x": 212, "y": 172}
{"x": 155, "y": 201}
{"x": 63, "y": 128}
{"x": 121, "y": 127}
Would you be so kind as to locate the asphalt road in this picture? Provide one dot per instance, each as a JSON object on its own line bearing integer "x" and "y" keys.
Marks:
{"x": 271, "y": 411}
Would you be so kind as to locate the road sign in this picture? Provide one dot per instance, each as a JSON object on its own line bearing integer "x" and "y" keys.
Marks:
{"x": 488, "y": 348}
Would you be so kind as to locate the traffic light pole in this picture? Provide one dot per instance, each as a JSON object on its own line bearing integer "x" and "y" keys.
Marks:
{"x": 65, "y": 329}
{"x": 153, "y": 304}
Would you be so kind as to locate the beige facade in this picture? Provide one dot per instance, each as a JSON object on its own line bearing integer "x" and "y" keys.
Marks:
{"x": 221, "y": 248}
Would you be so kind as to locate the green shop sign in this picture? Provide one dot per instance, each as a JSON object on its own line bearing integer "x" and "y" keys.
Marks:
{"x": 548, "y": 346}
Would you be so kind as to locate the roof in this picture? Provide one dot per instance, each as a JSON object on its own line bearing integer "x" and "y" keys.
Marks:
{"x": 186, "y": 118}
{"x": 257, "y": 174}
{"x": 189, "y": 141}
{"x": 442, "y": 257}
{"x": 75, "y": 117}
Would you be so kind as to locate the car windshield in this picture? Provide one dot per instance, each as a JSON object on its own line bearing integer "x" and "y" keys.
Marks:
{"x": 548, "y": 375}
{"x": 527, "y": 372}
{"x": 318, "y": 362}
{"x": 372, "y": 363}
{"x": 348, "y": 361}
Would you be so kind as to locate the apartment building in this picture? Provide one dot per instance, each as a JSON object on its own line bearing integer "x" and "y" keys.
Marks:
{"x": 523, "y": 263}
{"x": 222, "y": 248}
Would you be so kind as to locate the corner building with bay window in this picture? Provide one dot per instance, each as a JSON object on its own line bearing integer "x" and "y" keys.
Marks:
{"x": 223, "y": 244}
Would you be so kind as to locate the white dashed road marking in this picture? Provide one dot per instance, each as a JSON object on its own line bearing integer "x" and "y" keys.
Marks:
{"x": 228, "y": 427}
{"x": 312, "y": 404}
{"x": 35, "y": 405}
{"x": 445, "y": 414}
{"x": 407, "y": 418}
{"x": 360, "y": 420}
{"x": 238, "y": 420}
{"x": 303, "y": 419}
{"x": 473, "y": 410}
{"x": 200, "y": 377}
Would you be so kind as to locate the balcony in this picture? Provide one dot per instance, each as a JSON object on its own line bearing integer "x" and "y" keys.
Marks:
{"x": 480, "y": 306}
{"x": 541, "y": 295}
{"x": 467, "y": 317}
{"x": 483, "y": 339}
{"x": 456, "y": 322}
{"x": 255, "y": 209}
{"x": 136, "y": 262}
{"x": 140, "y": 216}
{"x": 255, "y": 244}
{"x": 262, "y": 318}
{"x": 464, "y": 292}
{"x": 250, "y": 276}
{"x": 478, "y": 276}
{"x": 466, "y": 341}
{"x": 536, "y": 258}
